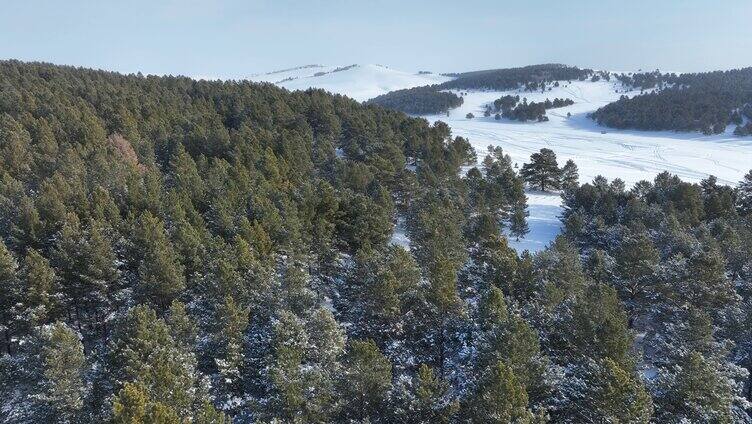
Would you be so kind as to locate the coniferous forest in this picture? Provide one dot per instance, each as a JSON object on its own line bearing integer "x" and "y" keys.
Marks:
{"x": 510, "y": 78}
{"x": 419, "y": 100}
{"x": 705, "y": 102}
{"x": 174, "y": 251}
{"x": 510, "y": 107}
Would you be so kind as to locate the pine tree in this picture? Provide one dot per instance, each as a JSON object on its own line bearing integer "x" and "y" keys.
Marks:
{"x": 706, "y": 284}
{"x": 506, "y": 337}
{"x": 185, "y": 175}
{"x": 133, "y": 405}
{"x": 433, "y": 403}
{"x": 10, "y": 290}
{"x": 569, "y": 175}
{"x": 744, "y": 195}
{"x": 493, "y": 312}
{"x": 37, "y": 298}
{"x": 636, "y": 260}
{"x": 207, "y": 414}
{"x": 494, "y": 264}
{"x": 221, "y": 277}
{"x": 284, "y": 381}
{"x": 366, "y": 382}
{"x": 446, "y": 305}
{"x": 518, "y": 225}
{"x": 130, "y": 406}
{"x": 232, "y": 321}
{"x": 143, "y": 352}
{"x": 373, "y": 297}
{"x": 599, "y": 327}
{"x": 696, "y": 391}
{"x": 64, "y": 364}
{"x": 45, "y": 148}
{"x": 15, "y": 148}
{"x": 299, "y": 387}
{"x": 327, "y": 340}
{"x": 499, "y": 398}
{"x": 602, "y": 391}
{"x": 182, "y": 328}
{"x": 542, "y": 171}
{"x": 161, "y": 277}
{"x": 620, "y": 396}
{"x": 87, "y": 266}
{"x": 27, "y": 228}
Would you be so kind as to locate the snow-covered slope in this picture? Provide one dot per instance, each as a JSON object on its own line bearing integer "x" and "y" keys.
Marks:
{"x": 277, "y": 77}
{"x": 629, "y": 155}
{"x": 626, "y": 154}
{"x": 361, "y": 82}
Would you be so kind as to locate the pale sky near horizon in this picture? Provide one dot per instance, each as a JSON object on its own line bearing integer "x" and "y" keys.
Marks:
{"x": 234, "y": 39}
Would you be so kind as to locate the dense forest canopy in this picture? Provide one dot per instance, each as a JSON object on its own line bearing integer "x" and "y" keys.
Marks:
{"x": 511, "y": 78}
{"x": 706, "y": 102}
{"x": 179, "y": 251}
{"x": 435, "y": 99}
{"x": 418, "y": 101}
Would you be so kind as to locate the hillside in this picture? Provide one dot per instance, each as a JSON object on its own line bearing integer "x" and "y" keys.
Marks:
{"x": 359, "y": 82}
{"x": 162, "y": 233}
{"x": 436, "y": 98}
{"x": 508, "y": 78}
{"x": 701, "y": 102}
{"x": 180, "y": 251}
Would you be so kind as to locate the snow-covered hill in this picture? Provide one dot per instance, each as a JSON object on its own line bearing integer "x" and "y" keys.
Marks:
{"x": 626, "y": 154}
{"x": 629, "y": 155}
{"x": 361, "y": 82}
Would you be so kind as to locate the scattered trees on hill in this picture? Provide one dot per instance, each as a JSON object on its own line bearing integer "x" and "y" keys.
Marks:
{"x": 511, "y": 108}
{"x": 506, "y": 103}
{"x": 436, "y": 99}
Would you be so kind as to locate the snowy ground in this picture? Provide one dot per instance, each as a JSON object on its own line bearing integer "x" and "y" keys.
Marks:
{"x": 360, "y": 82}
{"x": 543, "y": 221}
{"x": 629, "y": 155}
{"x": 399, "y": 236}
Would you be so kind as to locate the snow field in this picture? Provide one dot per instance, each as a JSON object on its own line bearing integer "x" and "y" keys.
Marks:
{"x": 360, "y": 82}
{"x": 629, "y": 155}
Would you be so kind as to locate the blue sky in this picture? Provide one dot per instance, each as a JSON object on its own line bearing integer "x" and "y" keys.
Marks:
{"x": 232, "y": 39}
